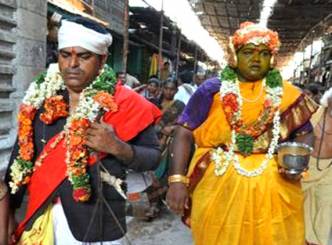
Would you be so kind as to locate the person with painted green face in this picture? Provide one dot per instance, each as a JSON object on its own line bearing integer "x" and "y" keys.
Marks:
{"x": 231, "y": 190}
{"x": 253, "y": 62}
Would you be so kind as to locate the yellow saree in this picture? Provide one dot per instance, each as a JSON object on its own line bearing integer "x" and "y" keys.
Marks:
{"x": 233, "y": 209}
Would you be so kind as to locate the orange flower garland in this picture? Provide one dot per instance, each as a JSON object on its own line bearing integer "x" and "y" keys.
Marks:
{"x": 55, "y": 108}
{"x": 25, "y": 131}
{"x": 97, "y": 96}
{"x": 247, "y": 134}
{"x": 78, "y": 158}
{"x": 106, "y": 100}
{"x": 231, "y": 106}
{"x": 242, "y": 136}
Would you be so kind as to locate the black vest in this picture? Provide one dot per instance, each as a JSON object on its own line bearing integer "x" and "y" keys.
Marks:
{"x": 90, "y": 221}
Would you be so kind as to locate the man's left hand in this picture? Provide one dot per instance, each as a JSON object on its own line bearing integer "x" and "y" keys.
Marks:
{"x": 101, "y": 137}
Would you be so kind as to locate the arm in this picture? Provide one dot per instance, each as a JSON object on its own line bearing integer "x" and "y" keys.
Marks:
{"x": 12, "y": 200}
{"x": 194, "y": 114}
{"x": 180, "y": 149}
{"x": 140, "y": 154}
{"x": 139, "y": 88}
{"x": 177, "y": 195}
{"x": 15, "y": 200}
{"x": 4, "y": 214}
{"x": 146, "y": 151}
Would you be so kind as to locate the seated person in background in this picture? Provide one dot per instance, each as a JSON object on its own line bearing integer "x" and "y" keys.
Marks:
{"x": 189, "y": 84}
{"x": 151, "y": 91}
{"x": 127, "y": 79}
{"x": 171, "y": 109}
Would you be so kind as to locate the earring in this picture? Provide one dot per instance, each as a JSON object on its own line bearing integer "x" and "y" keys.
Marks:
{"x": 232, "y": 58}
{"x": 273, "y": 62}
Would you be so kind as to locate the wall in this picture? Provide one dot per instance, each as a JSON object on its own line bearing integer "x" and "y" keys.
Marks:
{"x": 22, "y": 56}
{"x": 112, "y": 12}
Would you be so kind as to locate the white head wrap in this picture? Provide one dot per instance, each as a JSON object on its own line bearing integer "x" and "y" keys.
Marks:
{"x": 72, "y": 34}
{"x": 325, "y": 97}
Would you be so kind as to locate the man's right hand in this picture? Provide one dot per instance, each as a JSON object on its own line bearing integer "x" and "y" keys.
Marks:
{"x": 177, "y": 197}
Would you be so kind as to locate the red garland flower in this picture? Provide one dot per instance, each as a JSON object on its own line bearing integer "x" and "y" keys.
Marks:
{"x": 106, "y": 100}
{"x": 230, "y": 100}
{"x": 25, "y": 131}
{"x": 81, "y": 194}
{"x": 55, "y": 108}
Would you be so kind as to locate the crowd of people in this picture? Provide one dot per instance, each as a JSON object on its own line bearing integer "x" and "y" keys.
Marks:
{"x": 89, "y": 138}
{"x": 170, "y": 96}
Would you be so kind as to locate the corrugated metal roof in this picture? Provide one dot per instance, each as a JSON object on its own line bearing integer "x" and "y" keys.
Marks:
{"x": 294, "y": 20}
{"x": 77, "y": 7}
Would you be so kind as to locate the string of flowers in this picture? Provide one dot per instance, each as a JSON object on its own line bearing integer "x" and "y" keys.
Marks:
{"x": 243, "y": 136}
{"x": 97, "y": 96}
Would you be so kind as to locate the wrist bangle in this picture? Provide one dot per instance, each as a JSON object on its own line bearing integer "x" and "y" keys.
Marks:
{"x": 178, "y": 178}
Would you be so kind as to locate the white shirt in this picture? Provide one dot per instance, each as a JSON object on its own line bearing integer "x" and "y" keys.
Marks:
{"x": 185, "y": 91}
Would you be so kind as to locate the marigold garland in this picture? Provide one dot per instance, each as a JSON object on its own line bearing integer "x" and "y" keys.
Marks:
{"x": 243, "y": 136}
{"x": 106, "y": 100}
{"x": 97, "y": 96}
{"x": 231, "y": 106}
{"x": 55, "y": 108}
{"x": 25, "y": 131}
{"x": 77, "y": 155}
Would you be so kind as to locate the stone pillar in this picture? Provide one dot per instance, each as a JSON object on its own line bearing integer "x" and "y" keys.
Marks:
{"x": 23, "y": 30}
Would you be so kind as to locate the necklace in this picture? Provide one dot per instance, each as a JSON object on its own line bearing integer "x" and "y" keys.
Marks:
{"x": 96, "y": 97}
{"x": 256, "y": 99}
{"x": 241, "y": 138}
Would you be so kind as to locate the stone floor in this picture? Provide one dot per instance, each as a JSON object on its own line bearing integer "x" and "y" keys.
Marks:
{"x": 164, "y": 230}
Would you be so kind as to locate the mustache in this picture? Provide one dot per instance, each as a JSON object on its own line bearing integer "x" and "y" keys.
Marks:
{"x": 70, "y": 71}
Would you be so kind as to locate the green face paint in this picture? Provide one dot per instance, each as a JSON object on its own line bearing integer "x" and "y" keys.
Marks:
{"x": 253, "y": 62}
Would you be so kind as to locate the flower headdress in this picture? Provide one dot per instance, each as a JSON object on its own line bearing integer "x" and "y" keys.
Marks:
{"x": 252, "y": 33}
{"x": 256, "y": 34}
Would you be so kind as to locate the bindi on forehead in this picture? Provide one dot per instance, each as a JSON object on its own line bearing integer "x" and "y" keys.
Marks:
{"x": 73, "y": 51}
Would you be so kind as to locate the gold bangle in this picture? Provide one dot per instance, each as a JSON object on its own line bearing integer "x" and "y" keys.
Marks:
{"x": 178, "y": 178}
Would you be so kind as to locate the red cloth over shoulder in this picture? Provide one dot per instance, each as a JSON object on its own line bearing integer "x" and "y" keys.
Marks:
{"x": 134, "y": 113}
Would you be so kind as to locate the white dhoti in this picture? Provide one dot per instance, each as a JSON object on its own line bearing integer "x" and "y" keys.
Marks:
{"x": 318, "y": 203}
{"x": 62, "y": 233}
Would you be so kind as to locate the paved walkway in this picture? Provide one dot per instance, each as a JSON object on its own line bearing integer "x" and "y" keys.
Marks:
{"x": 164, "y": 230}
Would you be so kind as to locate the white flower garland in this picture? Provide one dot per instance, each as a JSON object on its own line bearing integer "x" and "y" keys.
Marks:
{"x": 222, "y": 158}
{"x": 17, "y": 173}
{"x": 36, "y": 94}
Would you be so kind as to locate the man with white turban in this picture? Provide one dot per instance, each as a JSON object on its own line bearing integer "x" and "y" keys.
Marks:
{"x": 79, "y": 130}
